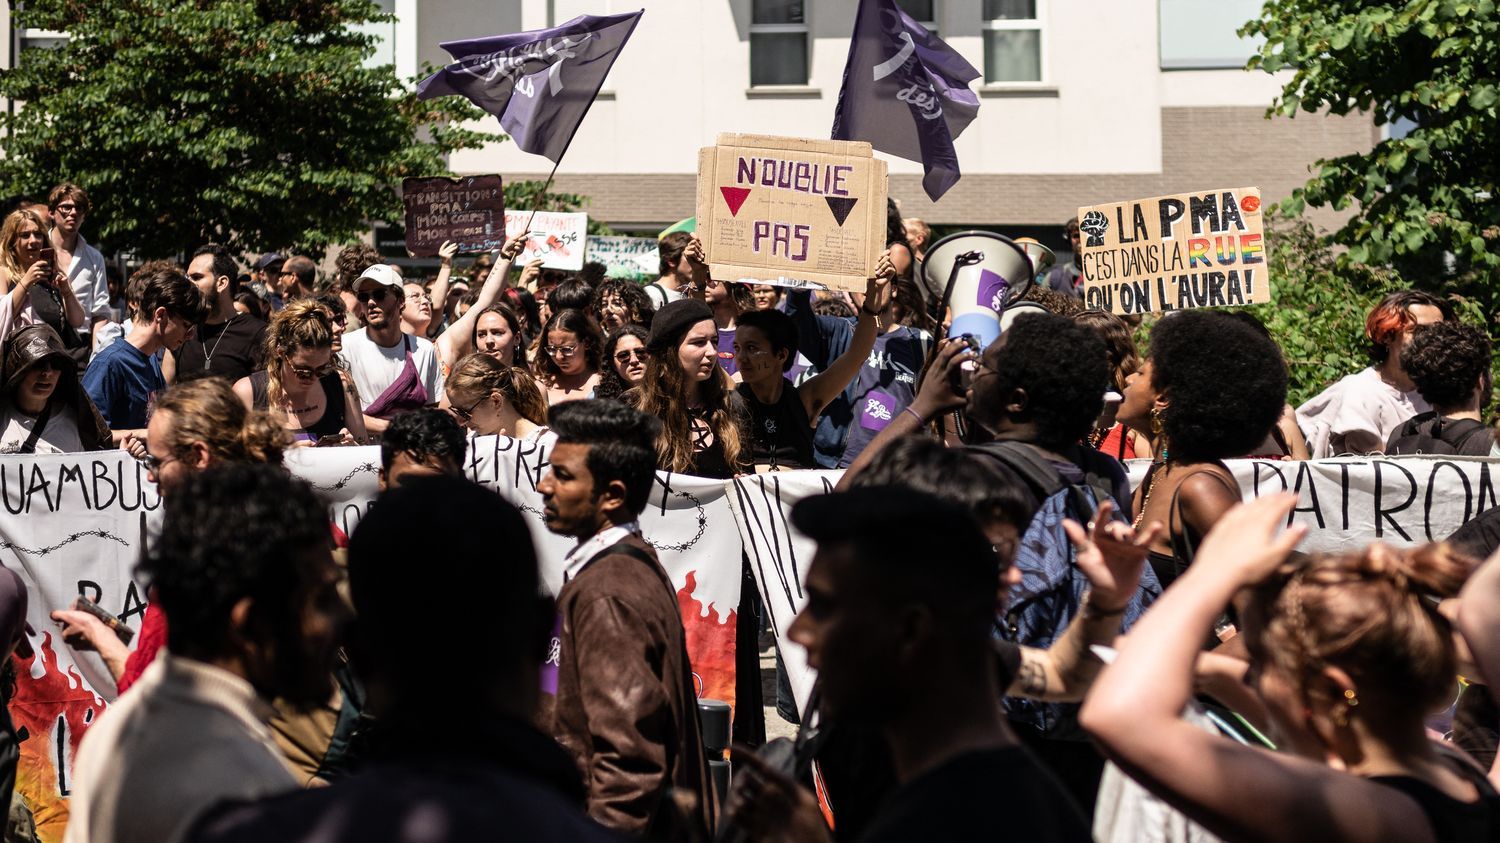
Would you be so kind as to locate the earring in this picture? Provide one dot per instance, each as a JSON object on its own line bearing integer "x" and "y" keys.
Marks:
{"x": 1350, "y": 699}
{"x": 1341, "y": 714}
{"x": 1156, "y": 432}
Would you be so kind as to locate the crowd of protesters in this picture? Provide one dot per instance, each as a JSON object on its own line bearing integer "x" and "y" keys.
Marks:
{"x": 976, "y": 566}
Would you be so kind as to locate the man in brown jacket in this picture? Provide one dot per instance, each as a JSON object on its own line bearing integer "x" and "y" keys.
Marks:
{"x": 625, "y": 705}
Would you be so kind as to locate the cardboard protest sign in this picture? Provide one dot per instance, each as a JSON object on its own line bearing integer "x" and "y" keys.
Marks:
{"x": 791, "y": 212}
{"x": 1203, "y": 249}
{"x": 556, "y": 238}
{"x": 467, "y": 211}
{"x": 626, "y": 257}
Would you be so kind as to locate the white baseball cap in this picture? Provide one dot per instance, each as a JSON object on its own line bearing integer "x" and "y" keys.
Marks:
{"x": 381, "y": 273}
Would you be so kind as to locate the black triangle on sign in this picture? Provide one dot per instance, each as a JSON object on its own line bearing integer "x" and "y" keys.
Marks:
{"x": 840, "y": 206}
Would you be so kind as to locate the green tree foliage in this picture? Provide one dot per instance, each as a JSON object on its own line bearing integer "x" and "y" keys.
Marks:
{"x": 253, "y": 123}
{"x": 1432, "y": 63}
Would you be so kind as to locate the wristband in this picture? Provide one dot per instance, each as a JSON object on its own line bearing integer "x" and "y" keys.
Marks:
{"x": 914, "y": 414}
{"x": 868, "y": 312}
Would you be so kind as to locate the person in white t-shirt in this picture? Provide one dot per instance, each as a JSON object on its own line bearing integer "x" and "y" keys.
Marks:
{"x": 677, "y": 272}
{"x": 43, "y": 408}
{"x": 394, "y": 372}
{"x": 84, "y": 265}
{"x": 1357, "y": 414}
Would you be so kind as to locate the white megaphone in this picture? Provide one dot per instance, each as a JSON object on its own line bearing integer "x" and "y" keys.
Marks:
{"x": 1042, "y": 258}
{"x": 981, "y": 273}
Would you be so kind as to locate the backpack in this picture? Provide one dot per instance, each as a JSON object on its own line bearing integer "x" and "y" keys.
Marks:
{"x": 1052, "y": 587}
{"x": 1429, "y": 433}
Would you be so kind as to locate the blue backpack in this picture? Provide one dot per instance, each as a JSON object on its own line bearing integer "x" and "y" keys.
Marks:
{"x": 1052, "y": 587}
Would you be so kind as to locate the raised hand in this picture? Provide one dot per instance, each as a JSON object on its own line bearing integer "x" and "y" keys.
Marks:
{"x": 1111, "y": 555}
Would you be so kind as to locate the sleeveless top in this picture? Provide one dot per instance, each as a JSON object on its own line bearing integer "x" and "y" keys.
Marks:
{"x": 781, "y": 434}
{"x": 1453, "y": 820}
{"x": 329, "y": 424}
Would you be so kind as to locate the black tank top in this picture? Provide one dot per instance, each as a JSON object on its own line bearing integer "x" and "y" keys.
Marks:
{"x": 1454, "y": 821}
{"x": 332, "y": 420}
{"x": 781, "y": 434}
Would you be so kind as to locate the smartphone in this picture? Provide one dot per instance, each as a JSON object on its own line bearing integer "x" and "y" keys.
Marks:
{"x": 49, "y": 255}
{"x": 83, "y": 604}
{"x": 329, "y": 440}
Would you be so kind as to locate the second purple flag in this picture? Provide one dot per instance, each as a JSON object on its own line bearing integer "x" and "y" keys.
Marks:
{"x": 906, "y": 93}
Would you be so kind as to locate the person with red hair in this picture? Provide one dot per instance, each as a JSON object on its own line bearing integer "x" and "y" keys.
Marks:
{"x": 1357, "y": 414}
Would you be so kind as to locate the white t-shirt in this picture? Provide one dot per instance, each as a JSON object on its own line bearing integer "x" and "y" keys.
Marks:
{"x": 60, "y": 436}
{"x": 660, "y": 296}
{"x": 1358, "y": 403}
{"x": 374, "y": 368}
{"x": 90, "y": 286}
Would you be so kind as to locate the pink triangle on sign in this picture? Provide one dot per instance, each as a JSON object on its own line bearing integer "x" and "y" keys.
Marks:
{"x": 734, "y": 197}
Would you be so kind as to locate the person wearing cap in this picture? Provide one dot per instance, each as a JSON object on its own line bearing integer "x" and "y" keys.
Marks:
{"x": 394, "y": 371}
{"x": 621, "y": 698}
{"x": 43, "y": 408}
{"x": 898, "y": 625}
{"x": 267, "y": 279}
{"x": 227, "y": 344}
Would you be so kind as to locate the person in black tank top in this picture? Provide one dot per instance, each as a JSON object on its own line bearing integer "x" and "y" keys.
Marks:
{"x": 301, "y": 384}
{"x": 1348, "y": 652}
{"x": 782, "y": 413}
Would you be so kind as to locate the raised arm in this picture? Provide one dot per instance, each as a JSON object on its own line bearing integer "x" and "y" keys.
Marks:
{"x": 827, "y": 384}
{"x": 456, "y": 341}
{"x": 1235, "y": 791}
{"x": 439, "y": 291}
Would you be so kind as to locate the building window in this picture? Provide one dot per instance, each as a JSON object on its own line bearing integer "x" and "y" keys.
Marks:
{"x": 921, "y": 11}
{"x": 384, "y": 33}
{"x": 1204, "y": 34}
{"x": 1013, "y": 41}
{"x": 778, "y": 42}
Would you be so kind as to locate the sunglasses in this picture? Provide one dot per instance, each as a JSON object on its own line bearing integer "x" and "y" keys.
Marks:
{"x": 367, "y": 296}
{"x": 312, "y": 374}
{"x": 560, "y": 350}
{"x": 630, "y": 354}
{"x": 465, "y": 416}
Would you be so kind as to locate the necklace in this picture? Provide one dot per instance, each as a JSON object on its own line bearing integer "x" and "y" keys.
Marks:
{"x": 208, "y": 355}
{"x": 1150, "y": 482}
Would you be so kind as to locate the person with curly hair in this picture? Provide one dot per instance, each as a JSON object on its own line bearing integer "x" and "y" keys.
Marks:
{"x": 1115, "y": 439}
{"x": 618, "y": 302}
{"x": 1349, "y": 654}
{"x": 1450, "y": 364}
{"x": 300, "y": 384}
{"x": 568, "y": 358}
{"x": 625, "y": 357}
{"x": 1211, "y": 389}
{"x": 1357, "y": 414}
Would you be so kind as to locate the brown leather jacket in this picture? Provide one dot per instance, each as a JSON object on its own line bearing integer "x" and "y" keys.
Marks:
{"x": 626, "y": 707}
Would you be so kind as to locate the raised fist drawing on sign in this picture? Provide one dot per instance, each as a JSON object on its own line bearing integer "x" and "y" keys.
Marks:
{"x": 1094, "y": 224}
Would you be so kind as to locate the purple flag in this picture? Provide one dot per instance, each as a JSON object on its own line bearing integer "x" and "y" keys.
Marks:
{"x": 539, "y": 83}
{"x": 906, "y": 93}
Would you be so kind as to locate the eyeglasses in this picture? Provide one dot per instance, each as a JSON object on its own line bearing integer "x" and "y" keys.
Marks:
{"x": 626, "y": 355}
{"x": 466, "y": 416}
{"x": 68, "y": 208}
{"x": 367, "y": 296}
{"x": 422, "y": 295}
{"x": 560, "y": 350}
{"x": 311, "y": 374}
{"x": 154, "y": 463}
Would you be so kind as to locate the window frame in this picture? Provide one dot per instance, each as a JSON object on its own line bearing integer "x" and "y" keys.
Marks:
{"x": 1037, "y": 24}
{"x": 931, "y": 25}
{"x": 803, "y": 29}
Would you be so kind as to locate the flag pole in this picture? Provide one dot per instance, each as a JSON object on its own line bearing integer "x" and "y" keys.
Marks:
{"x": 541, "y": 194}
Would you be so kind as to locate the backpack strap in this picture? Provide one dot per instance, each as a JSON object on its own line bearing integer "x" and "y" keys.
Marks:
{"x": 1468, "y": 437}
{"x": 1039, "y": 475}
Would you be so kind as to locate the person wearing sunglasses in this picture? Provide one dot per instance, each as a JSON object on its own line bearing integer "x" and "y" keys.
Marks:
{"x": 300, "y": 385}
{"x": 43, "y": 408}
{"x": 394, "y": 372}
{"x": 81, "y": 262}
{"x": 493, "y": 399}
{"x": 625, "y": 361}
{"x": 568, "y": 362}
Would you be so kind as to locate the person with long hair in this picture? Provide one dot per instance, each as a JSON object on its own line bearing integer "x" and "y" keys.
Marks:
{"x": 569, "y": 355}
{"x": 1349, "y": 654}
{"x": 765, "y": 347}
{"x": 461, "y": 336}
{"x": 617, "y": 302}
{"x": 1211, "y": 389}
{"x": 301, "y": 386}
{"x": 493, "y": 399}
{"x": 1358, "y": 414}
{"x": 498, "y": 332}
{"x": 703, "y": 418}
{"x": 1116, "y": 439}
{"x": 197, "y": 424}
{"x": 524, "y": 305}
{"x": 38, "y": 290}
{"x": 43, "y": 408}
{"x": 624, "y": 361}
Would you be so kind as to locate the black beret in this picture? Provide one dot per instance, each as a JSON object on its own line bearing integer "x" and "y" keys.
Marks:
{"x": 674, "y": 320}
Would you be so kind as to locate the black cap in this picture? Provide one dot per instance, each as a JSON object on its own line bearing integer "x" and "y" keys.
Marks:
{"x": 673, "y": 321}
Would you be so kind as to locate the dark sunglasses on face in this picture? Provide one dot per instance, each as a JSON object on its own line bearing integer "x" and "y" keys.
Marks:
{"x": 630, "y": 354}
{"x": 465, "y": 416}
{"x": 312, "y": 374}
{"x": 367, "y": 296}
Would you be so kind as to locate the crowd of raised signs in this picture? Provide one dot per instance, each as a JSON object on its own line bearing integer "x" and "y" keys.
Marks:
{"x": 976, "y": 565}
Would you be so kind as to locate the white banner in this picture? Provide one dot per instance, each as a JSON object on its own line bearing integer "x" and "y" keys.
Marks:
{"x": 77, "y": 523}
{"x": 555, "y": 237}
{"x": 1346, "y": 503}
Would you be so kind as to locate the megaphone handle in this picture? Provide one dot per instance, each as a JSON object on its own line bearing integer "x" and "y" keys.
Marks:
{"x": 959, "y": 262}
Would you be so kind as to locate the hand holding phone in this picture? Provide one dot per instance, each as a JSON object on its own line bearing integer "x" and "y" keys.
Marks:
{"x": 83, "y": 604}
